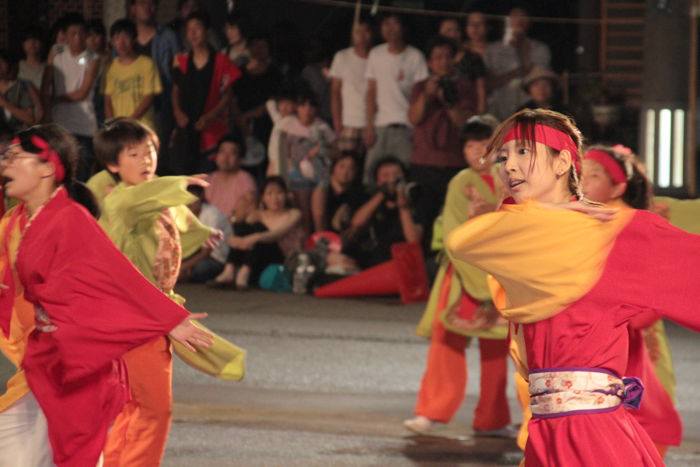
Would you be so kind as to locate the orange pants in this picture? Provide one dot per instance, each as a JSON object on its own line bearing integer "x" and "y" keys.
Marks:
{"x": 445, "y": 379}
{"x": 138, "y": 436}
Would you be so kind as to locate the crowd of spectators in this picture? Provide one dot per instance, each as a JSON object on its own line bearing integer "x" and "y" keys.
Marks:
{"x": 361, "y": 144}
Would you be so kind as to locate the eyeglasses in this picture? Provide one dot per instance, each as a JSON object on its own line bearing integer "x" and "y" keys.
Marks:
{"x": 8, "y": 157}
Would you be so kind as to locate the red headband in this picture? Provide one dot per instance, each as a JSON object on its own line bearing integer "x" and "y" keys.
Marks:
{"x": 551, "y": 137}
{"x": 611, "y": 166}
{"x": 47, "y": 154}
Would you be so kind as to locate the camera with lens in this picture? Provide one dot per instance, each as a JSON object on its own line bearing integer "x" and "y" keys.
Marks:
{"x": 450, "y": 93}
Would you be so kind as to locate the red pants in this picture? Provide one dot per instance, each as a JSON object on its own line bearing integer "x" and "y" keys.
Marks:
{"x": 445, "y": 379}
{"x": 138, "y": 436}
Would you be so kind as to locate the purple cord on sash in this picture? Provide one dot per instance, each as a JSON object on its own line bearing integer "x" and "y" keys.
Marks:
{"x": 634, "y": 389}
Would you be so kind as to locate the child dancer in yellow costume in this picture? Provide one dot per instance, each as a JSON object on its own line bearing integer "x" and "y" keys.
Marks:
{"x": 460, "y": 308}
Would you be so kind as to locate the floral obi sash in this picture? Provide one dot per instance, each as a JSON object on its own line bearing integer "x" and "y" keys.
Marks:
{"x": 556, "y": 392}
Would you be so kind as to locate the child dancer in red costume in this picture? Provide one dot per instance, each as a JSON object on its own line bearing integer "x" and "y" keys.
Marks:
{"x": 92, "y": 305}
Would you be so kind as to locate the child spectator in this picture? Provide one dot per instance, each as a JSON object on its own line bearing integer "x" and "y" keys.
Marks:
{"x": 20, "y": 104}
{"x": 334, "y": 202}
{"x": 229, "y": 183}
{"x": 201, "y": 97}
{"x": 237, "y": 38}
{"x": 74, "y": 77}
{"x": 31, "y": 67}
{"x": 208, "y": 262}
{"x": 349, "y": 90}
{"x": 261, "y": 237}
{"x": 282, "y": 107}
{"x": 132, "y": 80}
{"x": 148, "y": 220}
{"x": 305, "y": 142}
{"x": 160, "y": 44}
{"x": 387, "y": 218}
{"x": 392, "y": 70}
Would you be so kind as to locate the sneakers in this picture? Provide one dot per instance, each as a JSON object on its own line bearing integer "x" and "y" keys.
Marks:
{"x": 508, "y": 431}
{"x": 420, "y": 425}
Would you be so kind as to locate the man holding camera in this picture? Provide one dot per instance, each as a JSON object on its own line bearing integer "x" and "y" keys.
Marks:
{"x": 440, "y": 105}
{"x": 388, "y": 217}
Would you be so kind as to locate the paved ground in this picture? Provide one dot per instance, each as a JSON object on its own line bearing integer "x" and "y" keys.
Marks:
{"x": 329, "y": 383}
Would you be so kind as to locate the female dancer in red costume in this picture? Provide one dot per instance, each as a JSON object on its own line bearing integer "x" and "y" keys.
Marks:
{"x": 572, "y": 285}
{"x": 91, "y": 304}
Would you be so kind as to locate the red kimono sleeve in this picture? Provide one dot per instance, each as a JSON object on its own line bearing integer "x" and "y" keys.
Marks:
{"x": 101, "y": 305}
{"x": 654, "y": 266}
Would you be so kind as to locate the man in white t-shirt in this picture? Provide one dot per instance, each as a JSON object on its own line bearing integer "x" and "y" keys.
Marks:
{"x": 392, "y": 70}
{"x": 74, "y": 74}
{"x": 349, "y": 88}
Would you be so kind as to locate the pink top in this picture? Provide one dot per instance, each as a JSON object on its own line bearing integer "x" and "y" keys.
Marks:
{"x": 225, "y": 189}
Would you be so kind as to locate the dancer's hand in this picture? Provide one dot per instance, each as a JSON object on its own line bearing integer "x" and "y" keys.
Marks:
{"x": 190, "y": 335}
{"x": 198, "y": 180}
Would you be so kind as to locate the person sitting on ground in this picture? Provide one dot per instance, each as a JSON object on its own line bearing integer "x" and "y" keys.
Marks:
{"x": 208, "y": 262}
{"x": 334, "y": 202}
{"x": 542, "y": 86}
{"x": 261, "y": 237}
{"x": 387, "y": 218}
{"x": 229, "y": 183}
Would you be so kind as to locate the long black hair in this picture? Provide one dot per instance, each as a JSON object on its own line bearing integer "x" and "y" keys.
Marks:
{"x": 66, "y": 147}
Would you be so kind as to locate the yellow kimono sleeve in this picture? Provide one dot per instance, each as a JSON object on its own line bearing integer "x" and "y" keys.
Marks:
{"x": 684, "y": 213}
{"x": 223, "y": 360}
{"x": 101, "y": 184}
{"x": 530, "y": 250}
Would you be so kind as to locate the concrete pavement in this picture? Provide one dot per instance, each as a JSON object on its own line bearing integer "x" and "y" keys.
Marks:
{"x": 329, "y": 383}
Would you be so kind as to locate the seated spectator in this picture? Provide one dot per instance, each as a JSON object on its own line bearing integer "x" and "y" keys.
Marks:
{"x": 237, "y": 39}
{"x": 281, "y": 107}
{"x": 542, "y": 87}
{"x": 349, "y": 90}
{"x": 201, "y": 99}
{"x": 509, "y": 61}
{"x": 392, "y": 70}
{"x": 334, "y": 202}
{"x": 305, "y": 143}
{"x": 74, "y": 76}
{"x": 31, "y": 67}
{"x": 439, "y": 107}
{"x": 229, "y": 183}
{"x": 261, "y": 237}
{"x": 388, "y": 217}
{"x": 206, "y": 264}
{"x": 132, "y": 81}
{"x": 96, "y": 42}
{"x": 20, "y": 104}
